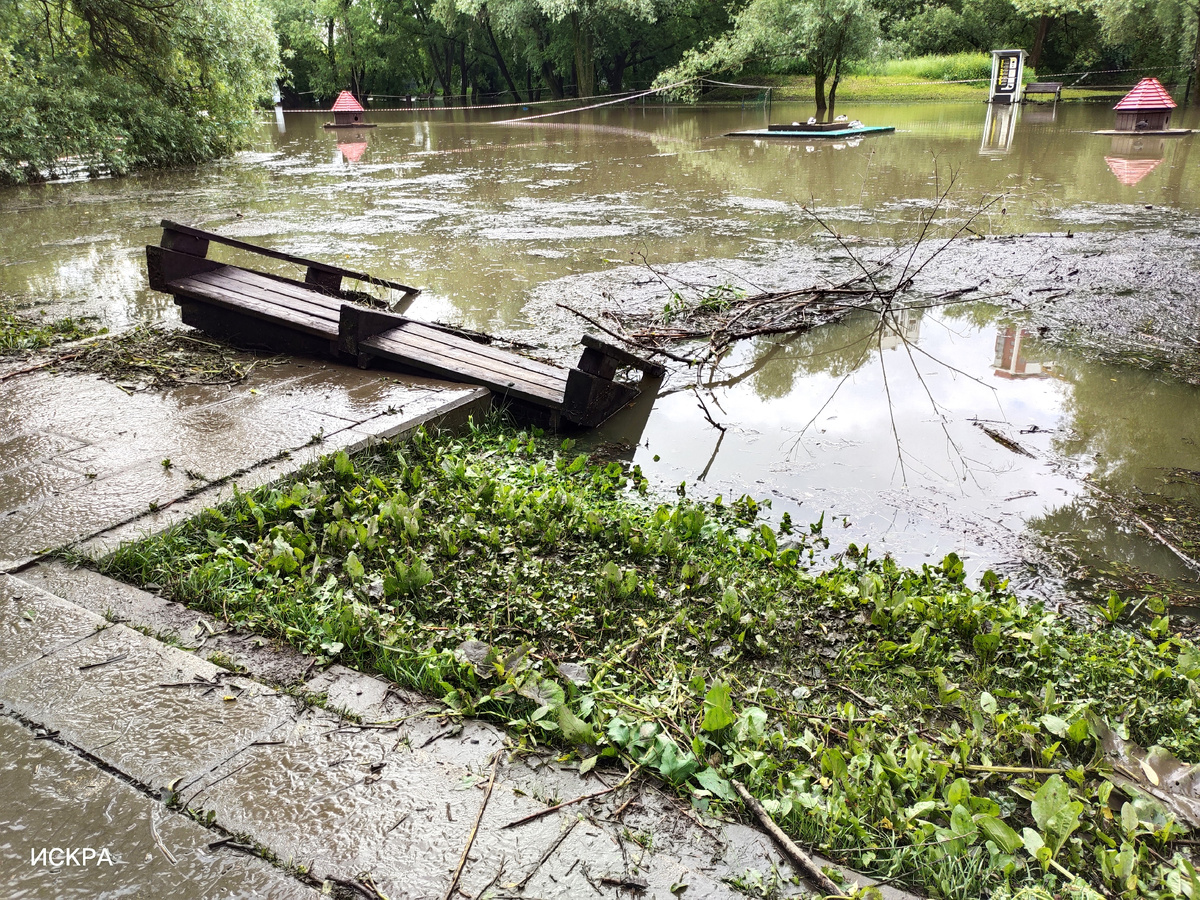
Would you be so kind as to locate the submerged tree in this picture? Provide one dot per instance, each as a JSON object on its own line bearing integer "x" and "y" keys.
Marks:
{"x": 118, "y": 85}
{"x": 822, "y": 35}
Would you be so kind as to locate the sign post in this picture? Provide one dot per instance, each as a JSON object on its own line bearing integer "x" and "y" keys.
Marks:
{"x": 1008, "y": 70}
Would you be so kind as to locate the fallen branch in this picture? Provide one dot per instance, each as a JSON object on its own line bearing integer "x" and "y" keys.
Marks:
{"x": 799, "y": 858}
{"x": 624, "y": 338}
{"x": 474, "y": 828}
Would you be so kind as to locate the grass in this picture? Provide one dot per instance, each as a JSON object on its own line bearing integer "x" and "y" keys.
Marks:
{"x": 952, "y": 67}
{"x": 900, "y": 721}
{"x": 23, "y": 334}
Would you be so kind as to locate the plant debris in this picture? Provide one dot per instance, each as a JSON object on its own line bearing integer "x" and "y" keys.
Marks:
{"x": 153, "y": 357}
{"x": 923, "y": 731}
{"x": 22, "y": 334}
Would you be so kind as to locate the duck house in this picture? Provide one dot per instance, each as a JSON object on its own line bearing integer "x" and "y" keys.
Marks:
{"x": 1146, "y": 108}
{"x": 348, "y": 113}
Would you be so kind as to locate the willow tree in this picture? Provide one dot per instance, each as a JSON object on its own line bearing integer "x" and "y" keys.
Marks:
{"x": 822, "y": 35}
{"x": 1173, "y": 24}
{"x": 116, "y": 85}
{"x": 1046, "y": 12}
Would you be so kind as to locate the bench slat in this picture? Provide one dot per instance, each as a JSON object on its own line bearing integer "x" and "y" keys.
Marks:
{"x": 219, "y": 295}
{"x": 404, "y": 346}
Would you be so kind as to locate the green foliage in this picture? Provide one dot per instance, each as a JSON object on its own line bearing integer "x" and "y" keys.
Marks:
{"x": 821, "y": 35}
{"x": 898, "y": 720}
{"x": 22, "y": 333}
{"x": 106, "y": 86}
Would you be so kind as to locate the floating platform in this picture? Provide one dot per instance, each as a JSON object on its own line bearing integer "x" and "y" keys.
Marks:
{"x": 317, "y": 317}
{"x": 782, "y": 131}
{"x": 1170, "y": 132}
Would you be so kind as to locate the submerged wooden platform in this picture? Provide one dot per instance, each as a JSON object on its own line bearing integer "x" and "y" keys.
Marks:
{"x": 318, "y": 317}
{"x": 776, "y": 131}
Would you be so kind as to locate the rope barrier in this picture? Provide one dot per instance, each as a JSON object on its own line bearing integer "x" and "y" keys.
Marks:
{"x": 634, "y": 95}
{"x": 563, "y": 112}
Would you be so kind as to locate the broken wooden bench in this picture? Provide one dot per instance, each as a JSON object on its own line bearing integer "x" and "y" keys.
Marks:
{"x": 318, "y": 317}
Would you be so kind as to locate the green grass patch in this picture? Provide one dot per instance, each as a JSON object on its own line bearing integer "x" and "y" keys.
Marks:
{"x": 951, "y": 67}
{"x": 906, "y": 724}
{"x": 22, "y": 334}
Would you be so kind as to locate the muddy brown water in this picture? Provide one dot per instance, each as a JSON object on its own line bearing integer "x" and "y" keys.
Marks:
{"x": 875, "y": 430}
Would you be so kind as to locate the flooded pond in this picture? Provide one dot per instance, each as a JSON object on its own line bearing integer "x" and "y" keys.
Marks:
{"x": 890, "y": 433}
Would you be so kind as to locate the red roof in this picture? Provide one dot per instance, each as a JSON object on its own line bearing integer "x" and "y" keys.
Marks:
{"x": 1130, "y": 171}
{"x": 345, "y": 102}
{"x": 1148, "y": 94}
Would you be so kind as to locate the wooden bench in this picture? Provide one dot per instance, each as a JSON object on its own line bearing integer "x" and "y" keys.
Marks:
{"x": 313, "y": 317}
{"x": 1044, "y": 87}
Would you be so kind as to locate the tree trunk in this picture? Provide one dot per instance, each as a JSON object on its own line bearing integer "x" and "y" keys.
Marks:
{"x": 819, "y": 80}
{"x": 464, "y": 74}
{"x": 1195, "y": 97}
{"x": 837, "y": 76}
{"x": 552, "y": 80}
{"x": 498, "y": 56}
{"x": 1039, "y": 42}
{"x": 616, "y": 72}
{"x": 332, "y": 55}
{"x": 585, "y": 63}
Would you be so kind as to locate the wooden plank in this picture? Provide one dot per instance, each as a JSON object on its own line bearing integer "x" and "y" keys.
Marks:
{"x": 417, "y": 355}
{"x": 534, "y": 367}
{"x": 286, "y": 257}
{"x": 509, "y": 366}
{"x": 470, "y": 369}
{"x": 219, "y": 296}
{"x": 284, "y": 295}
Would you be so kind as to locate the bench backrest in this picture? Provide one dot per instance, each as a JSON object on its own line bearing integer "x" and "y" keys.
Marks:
{"x": 195, "y": 241}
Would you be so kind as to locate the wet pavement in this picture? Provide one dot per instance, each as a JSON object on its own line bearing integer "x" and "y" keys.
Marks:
{"x": 80, "y": 457}
{"x": 343, "y": 780}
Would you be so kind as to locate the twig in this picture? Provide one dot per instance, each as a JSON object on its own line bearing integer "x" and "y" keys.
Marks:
{"x": 549, "y": 852}
{"x": 801, "y": 859}
{"x": 44, "y": 365}
{"x": 551, "y": 809}
{"x": 474, "y": 828}
{"x": 104, "y": 662}
{"x": 495, "y": 878}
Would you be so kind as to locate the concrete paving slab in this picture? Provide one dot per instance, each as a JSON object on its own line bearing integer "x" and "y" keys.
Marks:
{"x": 113, "y": 695}
{"x": 273, "y": 663}
{"x": 55, "y": 799}
{"x": 448, "y": 410}
{"x": 86, "y": 456}
{"x": 33, "y": 624}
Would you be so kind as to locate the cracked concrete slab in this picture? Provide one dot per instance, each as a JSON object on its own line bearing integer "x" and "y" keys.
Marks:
{"x": 54, "y": 798}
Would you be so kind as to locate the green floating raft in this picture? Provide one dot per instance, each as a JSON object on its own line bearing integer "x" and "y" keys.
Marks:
{"x": 830, "y": 130}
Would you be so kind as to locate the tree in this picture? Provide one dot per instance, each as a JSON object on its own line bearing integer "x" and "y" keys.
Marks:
{"x": 118, "y": 85}
{"x": 1046, "y": 12}
{"x": 822, "y": 35}
{"x": 1175, "y": 27}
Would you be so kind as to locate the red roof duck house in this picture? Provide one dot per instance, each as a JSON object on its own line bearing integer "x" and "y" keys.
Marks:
{"x": 347, "y": 113}
{"x": 1146, "y": 108}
